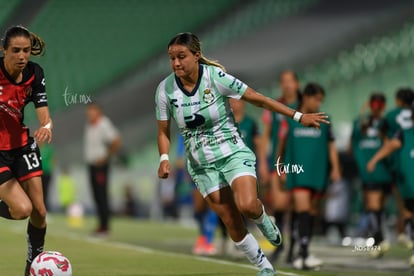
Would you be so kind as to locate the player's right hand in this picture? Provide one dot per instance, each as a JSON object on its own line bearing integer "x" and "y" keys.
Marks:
{"x": 164, "y": 169}
{"x": 314, "y": 119}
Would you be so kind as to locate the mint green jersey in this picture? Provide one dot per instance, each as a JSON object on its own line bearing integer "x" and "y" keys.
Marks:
{"x": 364, "y": 146}
{"x": 203, "y": 116}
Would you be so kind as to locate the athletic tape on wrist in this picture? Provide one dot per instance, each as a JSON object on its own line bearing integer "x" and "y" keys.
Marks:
{"x": 164, "y": 157}
{"x": 297, "y": 116}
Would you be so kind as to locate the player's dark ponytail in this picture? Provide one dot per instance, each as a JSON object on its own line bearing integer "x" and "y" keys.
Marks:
{"x": 192, "y": 42}
{"x": 38, "y": 45}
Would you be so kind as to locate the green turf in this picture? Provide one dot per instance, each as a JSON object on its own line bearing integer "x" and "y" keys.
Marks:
{"x": 134, "y": 248}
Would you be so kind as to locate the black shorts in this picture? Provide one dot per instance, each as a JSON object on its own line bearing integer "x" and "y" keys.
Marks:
{"x": 21, "y": 163}
{"x": 386, "y": 188}
{"x": 409, "y": 204}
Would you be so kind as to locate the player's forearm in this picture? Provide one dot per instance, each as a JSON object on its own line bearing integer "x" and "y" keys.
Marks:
{"x": 334, "y": 157}
{"x": 388, "y": 148}
{"x": 163, "y": 143}
{"x": 262, "y": 101}
{"x": 44, "y": 117}
{"x": 115, "y": 146}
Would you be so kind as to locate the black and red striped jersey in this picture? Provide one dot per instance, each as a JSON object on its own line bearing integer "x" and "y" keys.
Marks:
{"x": 13, "y": 98}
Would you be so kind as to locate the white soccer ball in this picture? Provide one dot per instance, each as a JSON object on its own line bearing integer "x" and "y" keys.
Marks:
{"x": 51, "y": 263}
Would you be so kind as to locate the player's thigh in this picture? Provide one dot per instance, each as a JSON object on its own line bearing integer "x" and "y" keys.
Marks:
{"x": 281, "y": 198}
{"x": 373, "y": 199}
{"x": 15, "y": 197}
{"x": 34, "y": 190}
{"x": 302, "y": 198}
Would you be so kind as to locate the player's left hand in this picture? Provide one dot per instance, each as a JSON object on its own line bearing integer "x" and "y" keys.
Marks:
{"x": 371, "y": 166}
{"x": 335, "y": 175}
{"x": 43, "y": 135}
{"x": 314, "y": 119}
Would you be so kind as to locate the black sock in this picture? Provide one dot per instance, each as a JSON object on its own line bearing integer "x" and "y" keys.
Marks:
{"x": 312, "y": 226}
{"x": 293, "y": 232}
{"x": 304, "y": 229}
{"x": 375, "y": 223}
{"x": 35, "y": 242}
{"x": 4, "y": 210}
{"x": 409, "y": 228}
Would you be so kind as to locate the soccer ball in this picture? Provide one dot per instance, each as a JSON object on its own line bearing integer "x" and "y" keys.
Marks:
{"x": 51, "y": 263}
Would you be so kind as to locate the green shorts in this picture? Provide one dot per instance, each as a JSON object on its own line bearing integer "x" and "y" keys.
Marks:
{"x": 212, "y": 177}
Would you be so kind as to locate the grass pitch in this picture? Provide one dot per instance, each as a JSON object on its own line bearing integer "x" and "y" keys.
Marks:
{"x": 150, "y": 248}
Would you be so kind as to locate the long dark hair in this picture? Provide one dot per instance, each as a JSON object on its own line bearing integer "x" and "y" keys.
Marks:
{"x": 37, "y": 44}
{"x": 406, "y": 96}
{"x": 311, "y": 89}
{"x": 192, "y": 42}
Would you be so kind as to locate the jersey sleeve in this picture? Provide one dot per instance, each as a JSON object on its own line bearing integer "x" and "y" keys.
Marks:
{"x": 227, "y": 85}
{"x": 331, "y": 136}
{"x": 399, "y": 136}
{"x": 39, "y": 97}
{"x": 162, "y": 108}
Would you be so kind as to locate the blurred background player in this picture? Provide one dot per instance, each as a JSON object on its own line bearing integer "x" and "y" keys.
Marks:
{"x": 403, "y": 141}
{"x": 102, "y": 142}
{"x": 366, "y": 139}
{"x": 280, "y": 198}
{"x": 23, "y": 81}
{"x": 47, "y": 153}
{"x": 312, "y": 150}
{"x": 222, "y": 166}
{"x": 395, "y": 119}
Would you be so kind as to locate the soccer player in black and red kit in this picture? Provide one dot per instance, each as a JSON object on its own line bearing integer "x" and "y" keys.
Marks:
{"x": 21, "y": 82}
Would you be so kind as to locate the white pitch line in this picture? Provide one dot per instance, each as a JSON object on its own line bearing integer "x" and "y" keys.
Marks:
{"x": 147, "y": 250}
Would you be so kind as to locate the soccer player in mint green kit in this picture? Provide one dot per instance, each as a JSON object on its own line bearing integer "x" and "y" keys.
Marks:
{"x": 307, "y": 154}
{"x": 366, "y": 140}
{"x": 196, "y": 95}
{"x": 403, "y": 142}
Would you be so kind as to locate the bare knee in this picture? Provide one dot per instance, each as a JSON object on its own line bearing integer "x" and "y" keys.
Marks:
{"x": 38, "y": 216}
{"x": 250, "y": 208}
{"x": 21, "y": 211}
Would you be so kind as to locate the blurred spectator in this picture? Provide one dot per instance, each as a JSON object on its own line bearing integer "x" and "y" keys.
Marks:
{"x": 102, "y": 141}
{"x": 66, "y": 189}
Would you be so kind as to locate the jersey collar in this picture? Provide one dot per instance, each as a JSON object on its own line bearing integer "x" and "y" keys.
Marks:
{"x": 181, "y": 86}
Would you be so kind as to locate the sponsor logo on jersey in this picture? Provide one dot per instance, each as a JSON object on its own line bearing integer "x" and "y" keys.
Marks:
{"x": 208, "y": 97}
{"x": 307, "y": 132}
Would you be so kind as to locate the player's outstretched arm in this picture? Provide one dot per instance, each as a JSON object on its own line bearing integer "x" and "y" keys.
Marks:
{"x": 164, "y": 148}
{"x": 44, "y": 133}
{"x": 389, "y": 147}
{"x": 259, "y": 100}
